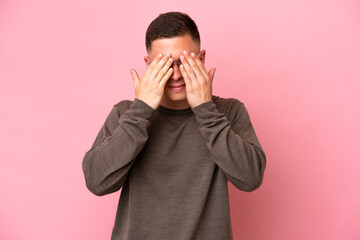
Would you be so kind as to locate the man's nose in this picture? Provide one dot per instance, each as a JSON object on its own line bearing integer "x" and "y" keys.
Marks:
{"x": 177, "y": 73}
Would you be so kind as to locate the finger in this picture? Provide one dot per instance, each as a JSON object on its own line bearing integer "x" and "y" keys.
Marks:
{"x": 164, "y": 80}
{"x": 188, "y": 69}
{"x": 156, "y": 60}
{"x": 159, "y": 66}
{"x": 194, "y": 66}
{"x": 152, "y": 65}
{"x": 135, "y": 76}
{"x": 212, "y": 74}
{"x": 164, "y": 70}
{"x": 185, "y": 76}
{"x": 199, "y": 63}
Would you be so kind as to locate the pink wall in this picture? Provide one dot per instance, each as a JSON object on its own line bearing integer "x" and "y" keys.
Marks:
{"x": 295, "y": 64}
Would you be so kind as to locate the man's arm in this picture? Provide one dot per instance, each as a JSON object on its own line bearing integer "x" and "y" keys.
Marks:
{"x": 121, "y": 138}
{"x": 233, "y": 144}
{"x": 116, "y": 146}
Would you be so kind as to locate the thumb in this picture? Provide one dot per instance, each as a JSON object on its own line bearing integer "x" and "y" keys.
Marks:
{"x": 212, "y": 73}
{"x": 134, "y": 76}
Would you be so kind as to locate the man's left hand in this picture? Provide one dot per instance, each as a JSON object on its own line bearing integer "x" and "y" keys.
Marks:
{"x": 198, "y": 81}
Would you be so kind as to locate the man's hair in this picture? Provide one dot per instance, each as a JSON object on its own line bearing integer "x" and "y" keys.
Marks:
{"x": 171, "y": 24}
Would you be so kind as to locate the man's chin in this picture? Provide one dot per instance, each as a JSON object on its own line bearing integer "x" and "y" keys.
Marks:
{"x": 177, "y": 97}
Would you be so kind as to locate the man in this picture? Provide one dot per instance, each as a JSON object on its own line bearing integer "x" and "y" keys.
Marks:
{"x": 174, "y": 147}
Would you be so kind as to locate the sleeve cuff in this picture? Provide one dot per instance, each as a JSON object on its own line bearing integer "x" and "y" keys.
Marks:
{"x": 207, "y": 115}
{"x": 140, "y": 109}
{"x": 204, "y": 109}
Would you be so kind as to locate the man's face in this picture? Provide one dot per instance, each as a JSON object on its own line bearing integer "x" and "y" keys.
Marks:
{"x": 173, "y": 97}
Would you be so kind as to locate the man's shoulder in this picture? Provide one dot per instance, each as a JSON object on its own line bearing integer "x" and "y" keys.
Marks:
{"x": 226, "y": 105}
{"x": 123, "y": 105}
{"x": 232, "y": 108}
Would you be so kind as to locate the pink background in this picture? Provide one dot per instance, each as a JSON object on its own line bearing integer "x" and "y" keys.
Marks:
{"x": 295, "y": 65}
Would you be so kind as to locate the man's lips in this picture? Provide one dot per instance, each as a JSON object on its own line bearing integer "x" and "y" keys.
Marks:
{"x": 176, "y": 86}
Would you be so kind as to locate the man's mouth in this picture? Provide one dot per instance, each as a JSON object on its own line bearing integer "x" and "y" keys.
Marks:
{"x": 177, "y": 87}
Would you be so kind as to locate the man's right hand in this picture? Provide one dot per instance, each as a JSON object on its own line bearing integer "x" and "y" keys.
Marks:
{"x": 150, "y": 88}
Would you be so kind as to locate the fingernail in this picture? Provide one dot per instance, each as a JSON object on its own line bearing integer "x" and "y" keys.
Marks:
{"x": 170, "y": 59}
{"x": 182, "y": 57}
{"x": 160, "y": 55}
{"x": 192, "y": 54}
{"x": 168, "y": 54}
{"x": 185, "y": 52}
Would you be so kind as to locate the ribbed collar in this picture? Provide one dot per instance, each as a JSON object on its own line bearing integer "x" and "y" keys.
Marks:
{"x": 170, "y": 111}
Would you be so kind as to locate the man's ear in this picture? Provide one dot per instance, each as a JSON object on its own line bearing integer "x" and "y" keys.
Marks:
{"x": 147, "y": 60}
{"x": 202, "y": 56}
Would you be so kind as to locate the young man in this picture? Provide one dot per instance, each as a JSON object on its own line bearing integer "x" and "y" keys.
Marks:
{"x": 174, "y": 148}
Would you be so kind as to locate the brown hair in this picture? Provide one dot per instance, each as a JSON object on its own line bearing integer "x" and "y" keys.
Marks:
{"x": 171, "y": 24}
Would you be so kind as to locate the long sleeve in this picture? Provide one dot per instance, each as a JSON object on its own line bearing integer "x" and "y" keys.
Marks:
{"x": 232, "y": 143}
{"x": 116, "y": 146}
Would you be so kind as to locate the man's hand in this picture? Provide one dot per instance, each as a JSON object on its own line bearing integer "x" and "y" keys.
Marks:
{"x": 198, "y": 81}
{"x": 150, "y": 88}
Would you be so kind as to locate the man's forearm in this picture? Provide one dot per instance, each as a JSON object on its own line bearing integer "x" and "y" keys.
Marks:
{"x": 118, "y": 143}
{"x": 233, "y": 145}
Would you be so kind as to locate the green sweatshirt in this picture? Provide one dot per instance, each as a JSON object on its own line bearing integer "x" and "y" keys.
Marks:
{"x": 173, "y": 166}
